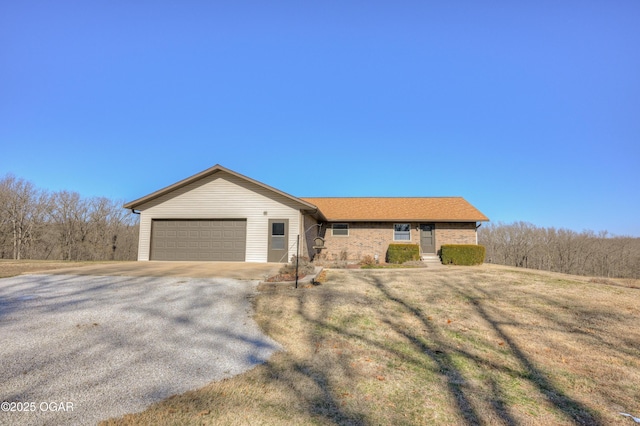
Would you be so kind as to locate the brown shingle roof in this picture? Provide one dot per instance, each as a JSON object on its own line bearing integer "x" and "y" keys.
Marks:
{"x": 443, "y": 209}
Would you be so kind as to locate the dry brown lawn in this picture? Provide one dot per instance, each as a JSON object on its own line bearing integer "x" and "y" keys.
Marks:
{"x": 458, "y": 345}
{"x": 10, "y": 268}
{"x": 480, "y": 345}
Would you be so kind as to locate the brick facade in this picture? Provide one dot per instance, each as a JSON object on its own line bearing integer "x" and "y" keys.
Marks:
{"x": 371, "y": 238}
{"x": 455, "y": 233}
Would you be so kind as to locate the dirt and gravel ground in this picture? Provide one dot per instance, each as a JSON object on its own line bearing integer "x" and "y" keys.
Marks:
{"x": 77, "y": 349}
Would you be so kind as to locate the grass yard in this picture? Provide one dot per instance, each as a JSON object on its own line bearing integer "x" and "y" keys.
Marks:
{"x": 10, "y": 268}
{"x": 476, "y": 345}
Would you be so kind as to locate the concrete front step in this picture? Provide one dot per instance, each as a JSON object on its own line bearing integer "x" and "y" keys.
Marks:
{"x": 430, "y": 256}
{"x": 431, "y": 260}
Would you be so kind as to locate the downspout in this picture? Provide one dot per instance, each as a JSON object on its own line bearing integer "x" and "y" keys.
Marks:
{"x": 477, "y": 226}
{"x": 133, "y": 210}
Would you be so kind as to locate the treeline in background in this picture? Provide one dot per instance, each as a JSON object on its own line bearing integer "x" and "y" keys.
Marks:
{"x": 561, "y": 250}
{"x": 37, "y": 224}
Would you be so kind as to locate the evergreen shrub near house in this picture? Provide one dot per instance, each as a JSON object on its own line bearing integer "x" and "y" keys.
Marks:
{"x": 462, "y": 254}
{"x": 400, "y": 253}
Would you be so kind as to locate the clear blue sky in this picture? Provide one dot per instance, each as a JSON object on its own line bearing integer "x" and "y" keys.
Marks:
{"x": 528, "y": 109}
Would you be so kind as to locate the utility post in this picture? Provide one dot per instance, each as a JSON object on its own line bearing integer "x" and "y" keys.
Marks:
{"x": 297, "y": 258}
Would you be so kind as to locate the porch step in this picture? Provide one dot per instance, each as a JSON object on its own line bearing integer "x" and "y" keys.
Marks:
{"x": 431, "y": 260}
{"x": 430, "y": 256}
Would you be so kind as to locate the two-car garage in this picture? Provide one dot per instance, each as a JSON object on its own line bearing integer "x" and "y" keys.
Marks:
{"x": 220, "y": 215}
{"x": 205, "y": 240}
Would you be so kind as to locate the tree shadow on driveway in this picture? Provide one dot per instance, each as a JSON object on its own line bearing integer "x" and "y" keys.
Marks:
{"x": 114, "y": 345}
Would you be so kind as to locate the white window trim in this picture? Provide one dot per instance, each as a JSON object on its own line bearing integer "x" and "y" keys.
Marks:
{"x": 394, "y": 231}
{"x": 340, "y": 235}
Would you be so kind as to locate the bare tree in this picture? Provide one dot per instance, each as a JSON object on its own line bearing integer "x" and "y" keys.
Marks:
{"x": 37, "y": 225}
{"x": 69, "y": 213}
{"x": 22, "y": 209}
{"x": 109, "y": 226}
{"x": 562, "y": 250}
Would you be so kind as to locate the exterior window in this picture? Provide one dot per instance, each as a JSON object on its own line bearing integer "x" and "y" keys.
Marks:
{"x": 340, "y": 229}
{"x": 402, "y": 232}
{"x": 277, "y": 236}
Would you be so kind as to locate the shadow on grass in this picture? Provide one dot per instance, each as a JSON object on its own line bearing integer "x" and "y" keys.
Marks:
{"x": 440, "y": 350}
{"x": 573, "y": 410}
{"x": 440, "y": 357}
{"x": 438, "y": 353}
{"x": 328, "y": 406}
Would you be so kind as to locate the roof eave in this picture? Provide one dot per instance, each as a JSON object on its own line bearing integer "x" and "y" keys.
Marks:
{"x": 215, "y": 169}
{"x": 407, "y": 220}
{"x": 150, "y": 197}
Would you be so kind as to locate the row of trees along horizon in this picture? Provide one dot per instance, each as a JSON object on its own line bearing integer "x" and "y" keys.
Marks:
{"x": 43, "y": 225}
{"x": 525, "y": 245}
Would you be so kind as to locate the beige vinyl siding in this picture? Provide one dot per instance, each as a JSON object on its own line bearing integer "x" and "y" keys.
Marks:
{"x": 223, "y": 196}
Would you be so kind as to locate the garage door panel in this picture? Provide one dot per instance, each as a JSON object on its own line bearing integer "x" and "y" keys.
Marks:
{"x": 206, "y": 240}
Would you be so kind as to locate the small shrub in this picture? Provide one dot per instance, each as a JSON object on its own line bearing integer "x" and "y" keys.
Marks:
{"x": 400, "y": 253}
{"x": 339, "y": 264}
{"x": 462, "y": 254}
{"x": 344, "y": 255}
{"x": 304, "y": 266}
{"x": 367, "y": 261}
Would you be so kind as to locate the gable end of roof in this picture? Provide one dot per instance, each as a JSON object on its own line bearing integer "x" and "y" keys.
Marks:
{"x": 205, "y": 173}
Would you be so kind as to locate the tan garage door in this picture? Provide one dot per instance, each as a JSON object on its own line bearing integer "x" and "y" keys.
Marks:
{"x": 213, "y": 240}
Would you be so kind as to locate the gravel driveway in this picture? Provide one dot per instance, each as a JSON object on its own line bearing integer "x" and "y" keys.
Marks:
{"x": 79, "y": 349}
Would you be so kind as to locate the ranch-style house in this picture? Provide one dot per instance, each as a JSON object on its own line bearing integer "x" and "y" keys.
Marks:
{"x": 221, "y": 215}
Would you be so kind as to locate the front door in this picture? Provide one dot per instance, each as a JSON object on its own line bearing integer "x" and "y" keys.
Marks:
{"x": 427, "y": 238}
{"x": 278, "y": 241}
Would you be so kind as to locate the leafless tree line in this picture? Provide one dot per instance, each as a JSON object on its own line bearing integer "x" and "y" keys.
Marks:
{"x": 561, "y": 250}
{"x": 37, "y": 224}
